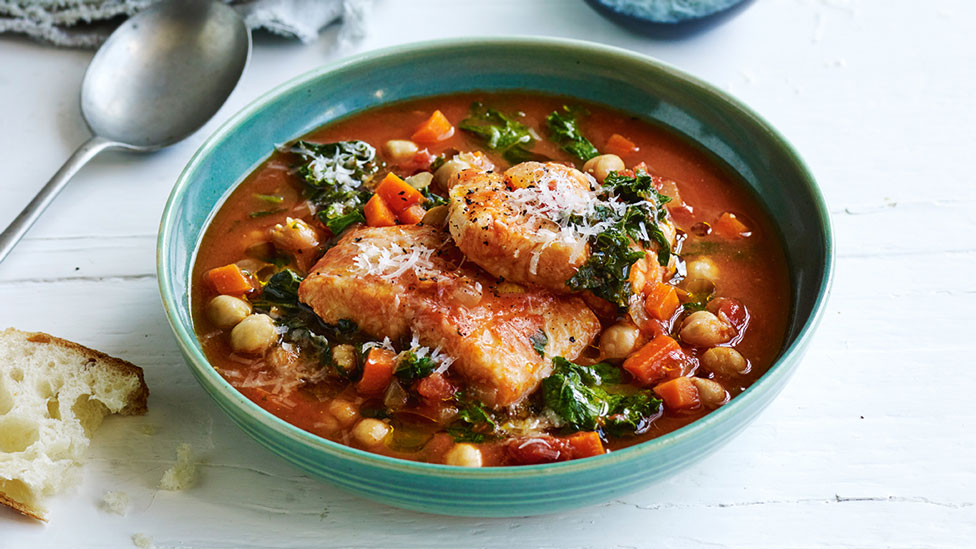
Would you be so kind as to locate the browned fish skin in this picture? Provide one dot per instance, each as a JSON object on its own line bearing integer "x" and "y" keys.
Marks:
{"x": 506, "y": 242}
{"x": 485, "y": 326}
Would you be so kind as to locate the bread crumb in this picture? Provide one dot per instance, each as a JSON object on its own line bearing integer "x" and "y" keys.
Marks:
{"x": 183, "y": 474}
{"x": 142, "y": 541}
{"x": 149, "y": 430}
{"x": 116, "y": 502}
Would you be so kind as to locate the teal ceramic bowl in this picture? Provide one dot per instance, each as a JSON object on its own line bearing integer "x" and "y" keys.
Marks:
{"x": 621, "y": 79}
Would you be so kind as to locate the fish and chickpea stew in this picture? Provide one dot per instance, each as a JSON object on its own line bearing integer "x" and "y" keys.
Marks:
{"x": 490, "y": 279}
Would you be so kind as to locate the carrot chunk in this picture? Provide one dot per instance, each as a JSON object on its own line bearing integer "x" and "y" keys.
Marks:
{"x": 679, "y": 393}
{"x": 377, "y": 213}
{"x": 728, "y": 226}
{"x": 436, "y": 128}
{"x": 230, "y": 280}
{"x": 412, "y": 215}
{"x": 377, "y": 371}
{"x": 620, "y": 145}
{"x": 398, "y": 194}
{"x": 661, "y": 300}
{"x": 658, "y": 359}
{"x": 585, "y": 444}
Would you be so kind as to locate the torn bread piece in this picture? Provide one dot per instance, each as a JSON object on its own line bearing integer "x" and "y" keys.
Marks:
{"x": 53, "y": 395}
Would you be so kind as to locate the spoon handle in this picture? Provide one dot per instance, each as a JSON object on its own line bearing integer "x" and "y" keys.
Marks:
{"x": 20, "y": 225}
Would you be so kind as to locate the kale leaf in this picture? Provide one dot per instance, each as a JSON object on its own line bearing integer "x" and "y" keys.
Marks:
{"x": 302, "y": 326}
{"x": 474, "y": 424}
{"x": 500, "y": 133}
{"x": 411, "y": 367}
{"x": 607, "y": 270}
{"x": 579, "y": 395}
{"x": 334, "y": 174}
{"x": 564, "y": 128}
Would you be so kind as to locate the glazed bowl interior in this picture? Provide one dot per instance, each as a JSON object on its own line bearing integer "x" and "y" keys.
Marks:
{"x": 628, "y": 82}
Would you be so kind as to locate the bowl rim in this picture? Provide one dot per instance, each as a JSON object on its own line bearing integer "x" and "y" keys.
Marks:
{"x": 209, "y": 376}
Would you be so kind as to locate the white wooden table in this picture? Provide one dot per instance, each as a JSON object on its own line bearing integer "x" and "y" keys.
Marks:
{"x": 871, "y": 445}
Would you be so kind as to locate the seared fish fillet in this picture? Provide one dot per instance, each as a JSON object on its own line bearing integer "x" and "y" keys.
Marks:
{"x": 403, "y": 280}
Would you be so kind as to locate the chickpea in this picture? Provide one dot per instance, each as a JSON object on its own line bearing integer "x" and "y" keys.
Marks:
{"x": 711, "y": 393}
{"x": 294, "y": 234}
{"x": 344, "y": 356}
{"x": 702, "y": 268}
{"x": 400, "y": 150}
{"x": 601, "y": 166}
{"x": 370, "y": 431}
{"x": 619, "y": 340}
{"x": 464, "y": 455}
{"x": 344, "y": 411}
{"x": 226, "y": 311}
{"x": 446, "y": 173}
{"x": 253, "y": 335}
{"x": 725, "y": 361}
{"x": 704, "y": 329}
{"x": 328, "y": 423}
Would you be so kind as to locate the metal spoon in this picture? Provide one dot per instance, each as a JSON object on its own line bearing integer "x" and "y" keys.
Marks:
{"x": 159, "y": 77}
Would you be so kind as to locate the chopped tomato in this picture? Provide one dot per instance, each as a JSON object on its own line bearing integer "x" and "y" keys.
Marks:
{"x": 730, "y": 310}
{"x": 435, "y": 387}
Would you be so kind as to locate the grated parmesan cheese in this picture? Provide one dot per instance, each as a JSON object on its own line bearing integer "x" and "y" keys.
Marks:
{"x": 395, "y": 260}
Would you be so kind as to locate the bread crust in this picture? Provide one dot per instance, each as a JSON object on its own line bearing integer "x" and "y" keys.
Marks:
{"x": 136, "y": 403}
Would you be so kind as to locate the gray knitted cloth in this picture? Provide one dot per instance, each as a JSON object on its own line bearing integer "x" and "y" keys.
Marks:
{"x": 87, "y": 23}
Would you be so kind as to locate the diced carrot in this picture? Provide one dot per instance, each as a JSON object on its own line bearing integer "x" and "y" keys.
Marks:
{"x": 679, "y": 393}
{"x": 412, "y": 215}
{"x": 436, "y": 128}
{"x": 397, "y": 193}
{"x": 661, "y": 300}
{"x": 620, "y": 145}
{"x": 377, "y": 371}
{"x": 230, "y": 280}
{"x": 585, "y": 444}
{"x": 377, "y": 213}
{"x": 658, "y": 359}
{"x": 728, "y": 226}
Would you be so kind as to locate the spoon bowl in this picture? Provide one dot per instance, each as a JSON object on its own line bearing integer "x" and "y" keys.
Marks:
{"x": 164, "y": 73}
{"x": 158, "y": 78}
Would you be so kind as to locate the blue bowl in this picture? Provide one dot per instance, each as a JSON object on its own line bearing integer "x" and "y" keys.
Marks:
{"x": 618, "y": 78}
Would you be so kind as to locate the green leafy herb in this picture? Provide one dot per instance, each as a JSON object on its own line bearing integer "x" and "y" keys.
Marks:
{"x": 270, "y": 198}
{"x": 564, "y": 128}
{"x": 501, "y": 133}
{"x": 607, "y": 270}
{"x": 539, "y": 341}
{"x": 580, "y": 396}
{"x": 302, "y": 326}
{"x": 474, "y": 424}
{"x": 411, "y": 367}
{"x": 432, "y": 198}
{"x": 334, "y": 174}
{"x": 263, "y": 213}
